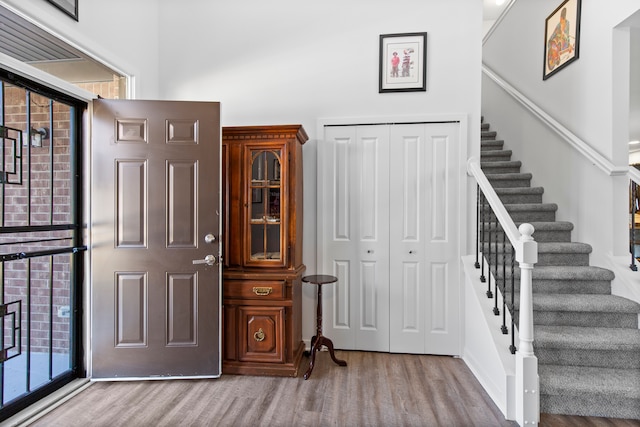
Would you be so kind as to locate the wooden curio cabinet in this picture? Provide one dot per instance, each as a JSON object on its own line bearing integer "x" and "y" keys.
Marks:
{"x": 262, "y": 249}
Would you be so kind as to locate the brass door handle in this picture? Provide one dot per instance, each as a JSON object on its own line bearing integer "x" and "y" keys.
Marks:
{"x": 259, "y": 336}
{"x": 262, "y": 291}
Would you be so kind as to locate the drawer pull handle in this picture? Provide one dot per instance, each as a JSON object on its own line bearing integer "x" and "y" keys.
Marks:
{"x": 259, "y": 336}
{"x": 262, "y": 291}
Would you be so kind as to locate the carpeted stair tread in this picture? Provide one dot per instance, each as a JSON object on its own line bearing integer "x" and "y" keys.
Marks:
{"x": 563, "y": 380}
{"x": 513, "y": 195}
{"x": 484, "y": 134}
{"x": 582, "y": 303}
{"x": 490, "y": 145}
{"x": 489, "y": 152}
{"x": 576, "y": 337}
{"x": 519, "y": 190}
{"x": 485, "y": 126}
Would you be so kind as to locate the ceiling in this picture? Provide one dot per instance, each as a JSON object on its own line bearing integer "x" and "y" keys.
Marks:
{"x": 31, "y": 44}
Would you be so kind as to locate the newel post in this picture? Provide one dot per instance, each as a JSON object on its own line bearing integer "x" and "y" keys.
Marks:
{"x": 527, "y": 383}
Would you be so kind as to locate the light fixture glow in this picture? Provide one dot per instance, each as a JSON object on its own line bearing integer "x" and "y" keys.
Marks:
{"x": 499, "y": 2}
{"x": 634, "y": 142}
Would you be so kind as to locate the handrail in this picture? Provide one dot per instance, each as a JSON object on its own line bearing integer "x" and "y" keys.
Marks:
{"x": 574, "y": 141}
{"x": 526, "y": 250}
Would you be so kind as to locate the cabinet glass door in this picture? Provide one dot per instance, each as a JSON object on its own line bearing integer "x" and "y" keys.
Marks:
{"x": 266, "y": 234}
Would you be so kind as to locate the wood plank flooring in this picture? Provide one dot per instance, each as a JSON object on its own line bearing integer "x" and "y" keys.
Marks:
{"x": 375, "y": 389}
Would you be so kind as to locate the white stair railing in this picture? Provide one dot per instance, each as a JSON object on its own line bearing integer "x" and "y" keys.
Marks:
{"x": 527, "y": 398}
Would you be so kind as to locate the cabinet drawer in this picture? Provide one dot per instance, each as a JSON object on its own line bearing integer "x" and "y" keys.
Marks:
{"x": 253, "y": 289}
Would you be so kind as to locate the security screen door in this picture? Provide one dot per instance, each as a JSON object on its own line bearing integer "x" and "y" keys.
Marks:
{"x": 155, "y": 239}
{"x": 41, "y": 241}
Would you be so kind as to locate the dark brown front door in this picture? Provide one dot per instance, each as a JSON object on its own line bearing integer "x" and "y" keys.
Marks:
{"x": 155, "y": 213}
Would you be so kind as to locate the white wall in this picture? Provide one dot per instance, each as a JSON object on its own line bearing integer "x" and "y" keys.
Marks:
{"x": 586, "y": 97}
{"x": 120, "y": 33}
{"x": 282, "y": 61}
{"x": 285, "y": 61}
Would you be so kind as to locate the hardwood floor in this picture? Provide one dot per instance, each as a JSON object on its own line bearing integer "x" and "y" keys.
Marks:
{"x": 375, "y": 389}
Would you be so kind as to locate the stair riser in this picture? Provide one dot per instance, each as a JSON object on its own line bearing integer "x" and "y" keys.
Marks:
{"x": 528, "y": 216}
{"x": 510, "y": 183}
{"x": 491, "y": 146}
{"x": 544, "y": 259}
{"x": 569, "y": 287}
{"x": 495, "y": 155}
{"x": 513, "y": 199}
{"x": 542, "y": 236}
{"x": 552, "y": 236}
{"x": 557, "y": 286}
{"x": 590, "y": 406}
{"x": 578, "y": 259}
{"x": 581, "y": 357}
{"x": 497, "y": 170}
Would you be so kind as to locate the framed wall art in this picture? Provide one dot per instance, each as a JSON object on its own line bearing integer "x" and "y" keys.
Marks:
{"x": 70, "y": 7}
{"x": 561, "y": 37}
{"x": 403, "y": 62}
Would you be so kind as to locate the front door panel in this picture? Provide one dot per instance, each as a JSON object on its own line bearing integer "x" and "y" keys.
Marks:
{"x": 155, "y": 196}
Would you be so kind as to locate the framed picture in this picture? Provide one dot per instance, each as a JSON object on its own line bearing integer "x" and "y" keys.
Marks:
{"x": 403, "y": 62}
{"x": 561, "y": 37}
{"x": 70, "y": 7}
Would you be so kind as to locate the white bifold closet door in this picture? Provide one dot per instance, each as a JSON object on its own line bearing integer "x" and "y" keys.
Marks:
{"x": 389, "y": 231}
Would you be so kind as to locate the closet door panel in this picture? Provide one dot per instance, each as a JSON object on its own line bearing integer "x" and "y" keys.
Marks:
{"x": 442, "y": 252}
{"x": 371, "y": 211}
{"x": 337, "y": 155}
{"x": 409, "y": 204}
{"x": 356, "y": 248}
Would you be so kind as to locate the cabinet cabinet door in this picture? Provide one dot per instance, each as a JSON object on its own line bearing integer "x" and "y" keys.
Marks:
{"x": 266, "y": 205}
{"x": 261, "y": 334}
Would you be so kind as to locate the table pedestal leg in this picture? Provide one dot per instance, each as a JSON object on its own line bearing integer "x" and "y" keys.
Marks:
{"x": 318, "y": 340}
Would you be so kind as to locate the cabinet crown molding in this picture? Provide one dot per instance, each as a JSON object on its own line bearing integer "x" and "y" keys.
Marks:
{"x": 265, "y": 132}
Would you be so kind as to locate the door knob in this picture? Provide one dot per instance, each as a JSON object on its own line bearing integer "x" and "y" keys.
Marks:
{"x": 209, "y": 260}
{"x": 209, "y": 238}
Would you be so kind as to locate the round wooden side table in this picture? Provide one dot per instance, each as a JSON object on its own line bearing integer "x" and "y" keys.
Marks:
{"x": 318, "y": 340}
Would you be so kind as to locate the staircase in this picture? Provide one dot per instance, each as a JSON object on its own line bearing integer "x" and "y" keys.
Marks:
{"x": 587, "y": 341}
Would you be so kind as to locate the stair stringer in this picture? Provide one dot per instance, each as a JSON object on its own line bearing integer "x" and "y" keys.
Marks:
{"x": 486, "y": 349}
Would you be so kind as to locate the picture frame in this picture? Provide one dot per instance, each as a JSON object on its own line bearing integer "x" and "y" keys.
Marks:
{"x": 70, "y": 7}
{"x": 403, "y": 62}
{"x": 561, "y": 37}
